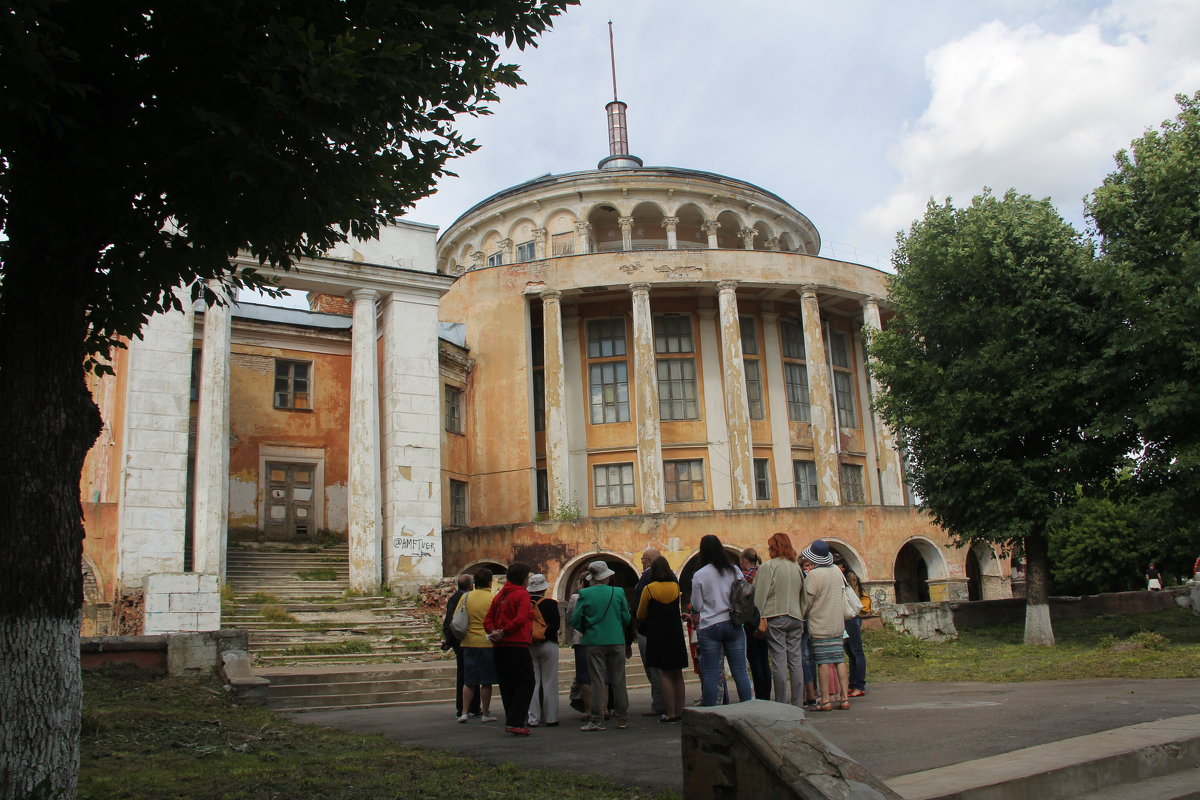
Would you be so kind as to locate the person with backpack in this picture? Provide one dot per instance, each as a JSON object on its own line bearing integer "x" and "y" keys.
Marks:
{"x": 543, "y": 649}
{"x": 602, "y": 616}
{"x": 720, "y": 638}
{"x": 452, "y": 641}
{"x": 509, "y": 624}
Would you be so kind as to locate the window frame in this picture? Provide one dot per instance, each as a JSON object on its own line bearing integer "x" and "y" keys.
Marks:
{"x": 668, "y": 400}
{"x": 526, "y": 251}
{"x": 290, "y": 392}
{"x": 761, "y": 468}
{"x": 672, "y": 482}
{"x": 630, "y": 487}
{"x": 496, "y": 259}
{"x": 803, "y": 500}
{"x": 859, "y": 496}
{"x": 756, "y": 407}
{"x": 454, "y": 409}
{"x": 458, "y": 503}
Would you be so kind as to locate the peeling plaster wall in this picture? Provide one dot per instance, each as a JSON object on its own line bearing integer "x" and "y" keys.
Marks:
{"x": 337, "y": 513}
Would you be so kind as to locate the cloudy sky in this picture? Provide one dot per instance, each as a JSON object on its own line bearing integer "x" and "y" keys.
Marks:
{"x": 854, "y": 112}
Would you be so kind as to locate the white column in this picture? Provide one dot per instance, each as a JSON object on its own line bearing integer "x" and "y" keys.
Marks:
{"x": 645, "y": 385}
{"x": 576, "y": 403}
{"x": 211, "y": 497}
{"x": 539, "y": 242}
{"x": 626, "y": 224}
{"x": 710, "y": 228}
{"x": 363, "y": 489}
{"x": 781, "y": 434}
{"x": 714, "y": 410}
{"x": 748, "y": 235}
{"x": 411, "y": 426}
{"x": 669, "y": 225}
{"x": 558, "y": 475}
{"x": 891, "y": 477}
{"x": 737, "y": 413}
{"x": 820, "y": 394}
{"x": 583, "y": 237}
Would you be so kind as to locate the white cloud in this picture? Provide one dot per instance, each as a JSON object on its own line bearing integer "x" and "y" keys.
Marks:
{"x": 1017, "y": 106}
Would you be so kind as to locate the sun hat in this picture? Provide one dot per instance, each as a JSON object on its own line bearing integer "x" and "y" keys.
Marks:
{"x": 537, "y": 583}
{"x": 598, "y": 571}
{"x": 818, "y": 553}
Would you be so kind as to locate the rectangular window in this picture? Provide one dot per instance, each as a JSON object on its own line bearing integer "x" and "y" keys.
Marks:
{"x": 539, "y": 400}
{"x": 613, "y": 484}
{"x": 496, "y": 259}
{"x": 754, "y": 392}
{"x": 609, "y": 388}
{"x": 673, "y": 334}
{"x": 292, "y": 384}
{"x": 852, "y": 485}
{"x": 562, "y": 244}
{"x": 839, "y": 349}
{"x": 525, "y": 251}
{"x": 762, "y": 479}
{"x": 749, "y": 336}
{"x": 843, "y": 390}
{"x": 454, "y": 409}
{"x": 806, "y": 483}
{"x": 792, "y": 334}
{"x": 543, "y": 492}
{"x": 606, "y": 337}
{"x": 458, "y": 502}
{"x": 677, "y": 388}
{"x": 795, "y": 379}
{"x": 683, "y": 481}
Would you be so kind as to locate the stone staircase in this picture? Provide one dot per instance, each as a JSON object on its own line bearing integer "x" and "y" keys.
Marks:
{"x": 288, "y": 574}
{"x": 1154, "y": 759}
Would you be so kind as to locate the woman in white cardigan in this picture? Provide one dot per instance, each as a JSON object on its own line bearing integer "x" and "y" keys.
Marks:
{"x": 777, "y": 589}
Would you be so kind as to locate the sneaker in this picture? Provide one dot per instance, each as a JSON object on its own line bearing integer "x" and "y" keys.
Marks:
{"x": 623, "y": 724}
{"x": 463, "y": 718}
{"x": 473, "y": 715}
{"x": 592, "y": 726}
{"x": 487, "y": 718}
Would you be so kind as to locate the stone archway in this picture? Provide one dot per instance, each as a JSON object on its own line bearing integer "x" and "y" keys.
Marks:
{"x": 626, "y": 576}
{"x": 693, "y": 563}
{"x": 854, "y": 561}
{"x": 911, "y": 575}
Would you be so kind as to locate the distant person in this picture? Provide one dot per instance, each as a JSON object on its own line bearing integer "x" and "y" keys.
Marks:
{"x": 452, "y": 642}
{"x": 777, "y": 589}
{"x": 720, "y": 639}
{"x": 1153, "y": 577}
{"x": 479, "y": 670}
{"x": 602, "y": 616}
{"x": 756, "y": 640}
{"x": 666, "y": 650}
{"x": 822, "y": 607}
{"x": 657, "y": 708}
{"x": 543, "y": 710}
{"x": 509, "y": 624}
{"x": 852, "y": 642}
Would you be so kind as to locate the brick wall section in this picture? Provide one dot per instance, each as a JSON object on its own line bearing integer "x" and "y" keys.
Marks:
{"x": 182, "y": 602}
{"x": 329, "y": 304}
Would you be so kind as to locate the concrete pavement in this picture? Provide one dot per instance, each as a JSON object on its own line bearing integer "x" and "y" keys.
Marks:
{"x": 897, "y": 729}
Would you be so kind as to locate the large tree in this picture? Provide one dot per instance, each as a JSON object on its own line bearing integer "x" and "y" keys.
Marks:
{"x": 142, "y": 145}
{"x": 991, "y": 374}
{"x": 1147, "y": 215}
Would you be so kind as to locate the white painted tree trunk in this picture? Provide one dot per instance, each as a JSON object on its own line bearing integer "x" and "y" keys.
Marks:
{"x": 1038, "y": 630}
{"x": 41, "y": 695}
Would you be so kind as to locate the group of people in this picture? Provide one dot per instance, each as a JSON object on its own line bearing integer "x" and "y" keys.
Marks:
{"x": 797, "y": 642}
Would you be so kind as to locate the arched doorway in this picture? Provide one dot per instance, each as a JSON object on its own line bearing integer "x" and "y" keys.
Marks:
{"x": 911, "y": 575}
{"x": 498, "y": 569}
{"x": 693, "y": 564}
{"x": 853, "y": 562}
{"x": 626, "y": 577}
{"x": 974, "y": 577}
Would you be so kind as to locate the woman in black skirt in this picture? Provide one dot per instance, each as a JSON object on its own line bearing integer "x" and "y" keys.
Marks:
{"x": 658, "y": 616}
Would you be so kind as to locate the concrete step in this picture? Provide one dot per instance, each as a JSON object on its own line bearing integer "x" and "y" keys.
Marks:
{"x": 1130, "y": 761}
{"x": 1183, "y": 785}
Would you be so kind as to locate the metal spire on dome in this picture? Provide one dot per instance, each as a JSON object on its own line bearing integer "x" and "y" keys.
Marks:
{"x": 618, "y": 127}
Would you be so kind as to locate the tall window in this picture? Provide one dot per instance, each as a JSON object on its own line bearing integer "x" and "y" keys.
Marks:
{"x": 539, "y": 400}
{"x": 608, "y": 378}
{"x": 843, "y": 378}
{"x": 458, "y": 502}
{"x": 806, "y": 483}
{"x": 496, "y": 259}
{"x": 525, "y": 251}
{"x": 543, "y": 491}
{"x": 293, "y": 384}
{"x": 852, "y": 485}
{"x": 454, "y": 409}
{"x": 753, "y": 368}
{"x": 683, "y": 481}
{"x": 612, "y": 484}
{"x": 673, "y": 345}
{"x": 795, "y": 370}
{"x": 762, "y": 479}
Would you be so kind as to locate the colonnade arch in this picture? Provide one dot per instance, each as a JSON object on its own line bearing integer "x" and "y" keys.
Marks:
{"x": 917, "y": 562}
{"x": 626, "y": 576}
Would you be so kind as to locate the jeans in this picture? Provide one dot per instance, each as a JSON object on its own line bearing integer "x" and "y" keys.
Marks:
{"x": 785, "y": 640}
{"x": 858, "y": 659}
{"x": 727, "y": 638}
{"x": 606, "y": 662}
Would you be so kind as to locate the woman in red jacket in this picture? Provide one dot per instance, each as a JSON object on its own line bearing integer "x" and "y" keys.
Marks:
{"x": 509, "y": 624}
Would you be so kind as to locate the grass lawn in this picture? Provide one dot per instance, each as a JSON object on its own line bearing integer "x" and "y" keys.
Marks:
{"x": 147, "y": 737}
{"x": 1164, "y": 644}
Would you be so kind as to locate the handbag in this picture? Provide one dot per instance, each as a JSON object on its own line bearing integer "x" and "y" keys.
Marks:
{"x": 851, "y": 603}
{"x": 461, "y": 621}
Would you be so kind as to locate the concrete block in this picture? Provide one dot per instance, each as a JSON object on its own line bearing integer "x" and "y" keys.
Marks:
{"x": 208, "y": 621}
{"x": 248, "y": 689}
{"x": 170, "y": 622}
{"x": 199, "y": 602}
{"x": 181, "y": 583}
{"x": 191, "y": 653}
{"x": 155, "y": 498}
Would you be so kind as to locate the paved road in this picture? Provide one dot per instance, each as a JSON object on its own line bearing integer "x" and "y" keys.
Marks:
{"x": 898, "y": 728}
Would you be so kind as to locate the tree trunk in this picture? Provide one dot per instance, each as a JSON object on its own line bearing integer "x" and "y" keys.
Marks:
{"x": 1038, "y": 630}
{"x": 47, "y": 424}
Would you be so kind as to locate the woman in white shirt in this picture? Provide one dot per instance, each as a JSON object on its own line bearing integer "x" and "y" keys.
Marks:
{"x": 718, "y": 635}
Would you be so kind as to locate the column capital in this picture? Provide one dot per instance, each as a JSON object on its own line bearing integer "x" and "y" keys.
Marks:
{"x": 772, "y": 243}
{"x": 550, "y": 295}
{"x": 364, "y": 295}
{"x": 639, "y": 288}
{"x": 583, "y": 227}
{"x": 808, "y": 290}
{"x": 871, "y": 300}
{"x": 626, "y": 223}
{"x": 477, "y": 258}
{"x": 748, "y": 235}
{"x": 505, "y": 244}
{"x": 669, "y": 223}
{"x": 539, "y": 233}
{"x": 710, "y": 226}
{"x": 727, "y": 286}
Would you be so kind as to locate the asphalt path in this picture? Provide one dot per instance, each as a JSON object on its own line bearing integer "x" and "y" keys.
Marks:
{"x": 898, "y": 728}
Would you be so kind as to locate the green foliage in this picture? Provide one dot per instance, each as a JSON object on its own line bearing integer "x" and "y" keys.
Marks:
{"x": 262, "y": 598}
{"x": 275, "y": 614}
{"x": 566, "y": 509}
{"x": 319, "y": 574}
{"x": 1096, "y": 546}
{"x": 991, "y": 369}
